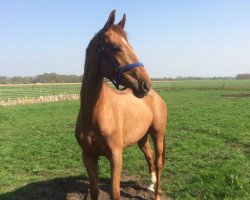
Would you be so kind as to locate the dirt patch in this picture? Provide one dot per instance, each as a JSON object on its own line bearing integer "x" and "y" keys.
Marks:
{"x": 77, "y": 188}
{"x": 242, "y": 95}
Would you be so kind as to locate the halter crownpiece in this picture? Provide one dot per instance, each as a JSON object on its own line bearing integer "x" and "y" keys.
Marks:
{"x": 118, "y": 69}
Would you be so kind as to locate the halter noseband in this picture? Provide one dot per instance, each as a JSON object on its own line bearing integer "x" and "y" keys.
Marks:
{"x": 118, "y": 69}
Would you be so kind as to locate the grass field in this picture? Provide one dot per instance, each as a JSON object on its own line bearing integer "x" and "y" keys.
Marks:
{"x": 208, "y": 142}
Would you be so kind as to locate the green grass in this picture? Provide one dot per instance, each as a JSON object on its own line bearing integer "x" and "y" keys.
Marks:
{"x": 208, "y": 144}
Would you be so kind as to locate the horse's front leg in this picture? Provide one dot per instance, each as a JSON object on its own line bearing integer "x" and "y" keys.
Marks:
{"x": 116, "y": 168}
{"x": 91, "y": 164}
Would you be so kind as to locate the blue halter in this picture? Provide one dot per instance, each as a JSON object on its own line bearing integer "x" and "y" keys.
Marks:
{"x": 118, "y": 69}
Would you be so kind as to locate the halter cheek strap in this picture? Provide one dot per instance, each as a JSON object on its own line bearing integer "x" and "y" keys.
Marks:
{"x": 118, "y": 69}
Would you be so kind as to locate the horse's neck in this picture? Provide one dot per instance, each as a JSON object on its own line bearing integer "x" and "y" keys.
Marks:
{"x": 92, "y": 93}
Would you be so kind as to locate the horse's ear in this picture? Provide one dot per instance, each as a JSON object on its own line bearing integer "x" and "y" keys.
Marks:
{"x": 123, "y": 21}
{"x": 110, "y": 21}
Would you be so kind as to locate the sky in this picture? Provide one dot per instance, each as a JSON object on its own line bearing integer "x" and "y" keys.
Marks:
{"x": 171, "y": 38}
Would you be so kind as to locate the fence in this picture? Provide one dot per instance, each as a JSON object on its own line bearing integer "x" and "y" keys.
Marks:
{"x": 11, "y": 92}
{"x": 34, "y": 91}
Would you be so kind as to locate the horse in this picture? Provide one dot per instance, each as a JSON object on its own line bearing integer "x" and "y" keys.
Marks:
{"x": 110, "y": 119}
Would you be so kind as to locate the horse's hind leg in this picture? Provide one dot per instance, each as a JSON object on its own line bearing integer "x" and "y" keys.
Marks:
{"x": 145, "y": 147}
{"x": 158, "y": 138}
{"x": 91, "y": 164}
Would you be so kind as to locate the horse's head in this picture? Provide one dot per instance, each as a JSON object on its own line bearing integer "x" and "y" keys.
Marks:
{"x": 117, "y": 60}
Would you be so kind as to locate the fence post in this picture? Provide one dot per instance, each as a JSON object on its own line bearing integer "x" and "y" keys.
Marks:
{"x": 223, "y": 86}
{"x": 172, "y": 86}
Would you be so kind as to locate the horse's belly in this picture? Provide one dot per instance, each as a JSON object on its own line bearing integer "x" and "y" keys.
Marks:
{"x": 128, "y": 141}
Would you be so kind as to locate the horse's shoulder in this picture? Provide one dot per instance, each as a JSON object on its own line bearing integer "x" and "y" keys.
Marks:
{"x": 155, "y": 97}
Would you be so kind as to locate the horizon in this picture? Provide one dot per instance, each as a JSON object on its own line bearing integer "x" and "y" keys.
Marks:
{"x": 163, "y": 77}
{"x": 169, "y": 77}
{"x": 199, "y": 39}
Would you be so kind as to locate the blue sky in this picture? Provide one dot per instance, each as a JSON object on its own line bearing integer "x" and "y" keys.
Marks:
{"x": 172, "y": 38}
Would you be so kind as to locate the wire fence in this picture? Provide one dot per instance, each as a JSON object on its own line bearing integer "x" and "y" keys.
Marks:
{"x": 10, "y": 92}
{"x": 27, "y": 91}
{"x": 202, "y": 85}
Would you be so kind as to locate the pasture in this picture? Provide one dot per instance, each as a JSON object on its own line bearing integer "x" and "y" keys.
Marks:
{"x": 208, "y": 140}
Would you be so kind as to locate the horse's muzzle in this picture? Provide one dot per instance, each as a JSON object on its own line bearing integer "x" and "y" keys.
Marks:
{"x": 142, "y": 89}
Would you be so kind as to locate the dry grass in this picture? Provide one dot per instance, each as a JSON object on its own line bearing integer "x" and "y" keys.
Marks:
{"x": 41, "y": 99}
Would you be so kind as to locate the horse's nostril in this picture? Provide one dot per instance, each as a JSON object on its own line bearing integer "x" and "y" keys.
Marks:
{"x": 145, "y": 86}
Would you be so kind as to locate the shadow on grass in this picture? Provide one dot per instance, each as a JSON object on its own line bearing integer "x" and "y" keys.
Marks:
{"x": 75, "y": 188}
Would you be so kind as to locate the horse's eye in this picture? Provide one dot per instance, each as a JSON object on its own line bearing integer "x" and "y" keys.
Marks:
{"x": 116, "y": 48}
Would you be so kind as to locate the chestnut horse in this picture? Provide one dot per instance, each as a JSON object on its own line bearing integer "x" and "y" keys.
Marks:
{"x": 110, "y": 120}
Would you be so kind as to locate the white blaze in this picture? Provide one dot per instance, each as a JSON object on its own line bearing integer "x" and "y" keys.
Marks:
{"x": 125, "y": 42}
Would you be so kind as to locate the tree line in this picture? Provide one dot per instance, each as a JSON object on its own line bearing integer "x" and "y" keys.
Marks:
{"x": 58, "y": 78}
{"x": 43, "y": 78}
{"x": 242, "y": 76}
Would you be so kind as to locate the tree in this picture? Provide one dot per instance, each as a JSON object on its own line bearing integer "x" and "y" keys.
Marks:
{"x": 242, "y": 76}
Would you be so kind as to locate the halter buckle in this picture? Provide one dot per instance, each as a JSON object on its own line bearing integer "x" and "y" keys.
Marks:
{"x": 118, "y": 70}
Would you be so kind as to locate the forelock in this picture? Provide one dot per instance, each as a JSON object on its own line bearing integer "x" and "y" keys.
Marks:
{"x": 119, "y": 30}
